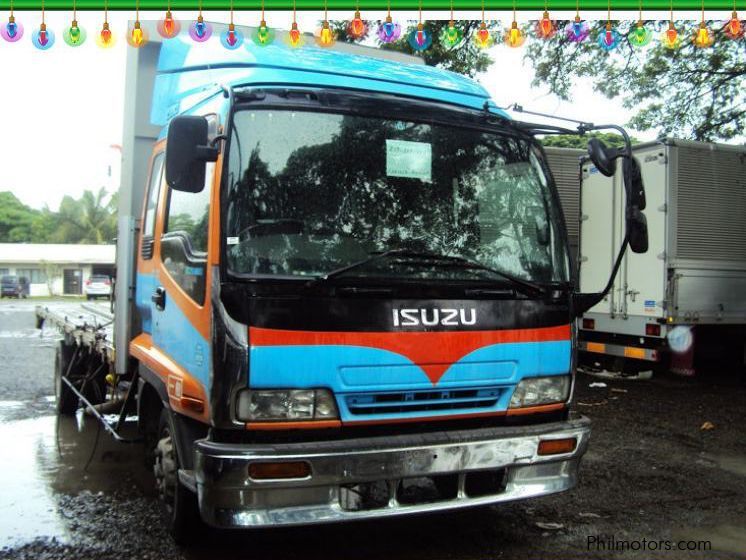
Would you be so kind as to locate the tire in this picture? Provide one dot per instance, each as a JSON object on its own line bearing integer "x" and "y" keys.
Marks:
{"x": 179, "y": 505}
{"x": 66, "y": 401}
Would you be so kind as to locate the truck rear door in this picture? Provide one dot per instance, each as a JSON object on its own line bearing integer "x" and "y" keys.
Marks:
{"x": 598, "y": 234}
{"x": 645, "y": 274}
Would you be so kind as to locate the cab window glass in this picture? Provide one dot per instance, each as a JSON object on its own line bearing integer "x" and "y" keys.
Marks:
{"x": 154, "y": 190}
{"x": 184, "y": 242}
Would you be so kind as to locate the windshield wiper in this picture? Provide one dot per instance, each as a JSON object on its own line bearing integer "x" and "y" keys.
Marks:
{"x": 447, "y": 260}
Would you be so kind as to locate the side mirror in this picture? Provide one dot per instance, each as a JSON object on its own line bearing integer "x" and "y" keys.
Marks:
{"x": 187, "y": 151}
{"x": 633, "y": 183}
{"x": 603, "y": 158}
{"x": 637, "y": 230}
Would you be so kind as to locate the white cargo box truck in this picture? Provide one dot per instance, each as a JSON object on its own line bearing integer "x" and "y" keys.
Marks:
{"x": 564, "y": 163}
{"x": 685, "y": 297}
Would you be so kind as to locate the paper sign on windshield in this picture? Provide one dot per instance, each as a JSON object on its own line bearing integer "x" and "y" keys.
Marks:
{"x": 412, "y": 160}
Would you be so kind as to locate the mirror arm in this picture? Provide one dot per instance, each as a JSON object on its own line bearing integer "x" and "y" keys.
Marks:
{"x": 206, "y": 153}
{"x": 620, "y": 130}
{"x": 583, "y": 302}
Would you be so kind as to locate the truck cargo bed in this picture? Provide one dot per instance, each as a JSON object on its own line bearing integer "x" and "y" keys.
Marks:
{"x": 87, "y": 324}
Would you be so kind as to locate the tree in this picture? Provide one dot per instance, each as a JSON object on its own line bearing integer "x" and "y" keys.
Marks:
{"x": 581, "y": 142}
{"x": 691, "y": 92}
{"x": 16, "y": 219}
{"x": 88, "y": 220}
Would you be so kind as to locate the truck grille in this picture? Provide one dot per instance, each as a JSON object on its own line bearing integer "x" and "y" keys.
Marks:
{"x": 422, "y": 401}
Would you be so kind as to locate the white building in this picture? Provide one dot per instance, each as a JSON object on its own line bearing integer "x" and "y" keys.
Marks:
{"x": 54, "y": 269}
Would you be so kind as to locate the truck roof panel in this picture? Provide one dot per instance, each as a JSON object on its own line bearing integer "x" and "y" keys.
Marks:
{"x": 188, "y": 72}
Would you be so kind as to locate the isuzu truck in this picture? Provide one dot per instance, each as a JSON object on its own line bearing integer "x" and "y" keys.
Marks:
{"x": 343, "y": 291}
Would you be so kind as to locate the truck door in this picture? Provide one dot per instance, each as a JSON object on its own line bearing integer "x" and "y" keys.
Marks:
{"x": 146, "y": 281}
{"x": 644, "y": 280}
{"x": 180, "y": 297}
{"x": 598, "y": 237}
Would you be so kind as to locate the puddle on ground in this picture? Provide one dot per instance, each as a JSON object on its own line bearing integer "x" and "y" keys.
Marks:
{"x": 50, "y": 456}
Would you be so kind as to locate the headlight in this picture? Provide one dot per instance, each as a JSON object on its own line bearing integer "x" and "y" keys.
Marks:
{"x": 285, "y": 404}
{"x": 534, "y": 391}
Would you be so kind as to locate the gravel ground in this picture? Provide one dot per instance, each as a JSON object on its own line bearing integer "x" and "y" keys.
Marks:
{"x": 652, "y": 473}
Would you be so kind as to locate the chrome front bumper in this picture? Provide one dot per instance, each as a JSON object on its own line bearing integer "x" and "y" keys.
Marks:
{"x": 228, "y": 497}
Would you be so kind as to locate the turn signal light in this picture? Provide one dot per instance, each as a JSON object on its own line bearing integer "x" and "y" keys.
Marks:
{"x": 589, "y": 324}
{"x": 285, "y": 470}
{"x": 557, "y": 446}
{"x": 652, "y": 329}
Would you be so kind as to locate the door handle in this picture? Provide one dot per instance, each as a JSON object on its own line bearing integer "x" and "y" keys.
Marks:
{"x": 159, "y": 298}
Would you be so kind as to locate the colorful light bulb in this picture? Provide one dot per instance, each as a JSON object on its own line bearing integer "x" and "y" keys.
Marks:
{"x": 451, "y": 36}
{"x": 514, "y": 37}
{"x": 263, "y": 35}
{"x": 609, "y": 39}
{"x": 420, "y": 38}
{"x": 734, "y": 29}
{"x": 483, "y": 38}
{"x": 136, "y": 35}
{"x": 670, "y": 37}
{"x": 43, "y": 38}
{"x": 11, "y": 31}
{"x": 168, "y": 27}
{"x": 577, "y": 30}
{"x": 703, "y": 37}
{"x": 105, "y": 38}
{"x": 74, "y": 35}
{"x": 294, "y": 38}
{"x": 325, "y": 37}
{"x": 357, "y": 28}
{"x": 388, "y": 31}
{"x": 640, "y": 36}
{"x": 231, "y": 38}
{"x": 545, "y": 27}
{"x": 200, "y": 30}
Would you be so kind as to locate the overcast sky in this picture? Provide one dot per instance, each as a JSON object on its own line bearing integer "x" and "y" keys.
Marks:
{"x": 62, "y": 108}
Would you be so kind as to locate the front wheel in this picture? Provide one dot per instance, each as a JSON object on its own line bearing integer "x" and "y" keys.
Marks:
{"x": 179, "y": 506}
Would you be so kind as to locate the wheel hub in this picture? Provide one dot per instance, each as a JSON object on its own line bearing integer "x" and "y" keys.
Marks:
{"x": 165, "y": 469}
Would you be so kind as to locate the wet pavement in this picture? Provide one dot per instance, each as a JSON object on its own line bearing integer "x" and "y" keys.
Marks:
{"x": 651, "y": 474}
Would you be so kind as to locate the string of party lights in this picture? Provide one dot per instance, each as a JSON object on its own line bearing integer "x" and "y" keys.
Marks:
{"x": 452, "y": 36}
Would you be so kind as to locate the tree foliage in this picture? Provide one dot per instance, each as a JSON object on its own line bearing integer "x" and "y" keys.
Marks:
{"x": 581, "y": 142}
{"x": 89, "y": 219}
{"x": 687, "y": 92}
{"x": 17, "y": 221}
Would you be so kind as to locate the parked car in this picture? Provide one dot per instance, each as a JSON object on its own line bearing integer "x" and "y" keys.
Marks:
{"x": 98, "y": 285}
{"x": 14, "y": 286}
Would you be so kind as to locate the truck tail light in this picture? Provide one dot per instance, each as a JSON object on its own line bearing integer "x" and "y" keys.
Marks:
{"x": 557, "y": 446}
{"x": 652, "y": 329}
{"x": 283, "y": 470}
{"x": 589, "y": 324}
{"x": 87, "y": 282}
{"x": 107, "y": 282}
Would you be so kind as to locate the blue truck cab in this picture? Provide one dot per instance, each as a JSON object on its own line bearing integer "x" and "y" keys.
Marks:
{"x": 351, "y": 280}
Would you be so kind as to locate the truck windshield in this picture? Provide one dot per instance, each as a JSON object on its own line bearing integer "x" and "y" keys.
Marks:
{"x": 310, "y": 192}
